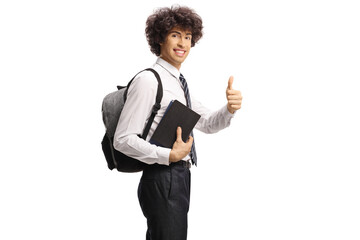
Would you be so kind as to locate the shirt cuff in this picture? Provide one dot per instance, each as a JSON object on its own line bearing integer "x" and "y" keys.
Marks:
{"x": 226, "y": 112}
{"x": 163, "y": 155}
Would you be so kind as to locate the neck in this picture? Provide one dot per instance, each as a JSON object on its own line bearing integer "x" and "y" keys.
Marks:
{"x": 176, "y": 65}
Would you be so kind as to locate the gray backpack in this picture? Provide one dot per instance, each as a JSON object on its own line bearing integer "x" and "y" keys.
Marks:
{"x": 112, "y": 106}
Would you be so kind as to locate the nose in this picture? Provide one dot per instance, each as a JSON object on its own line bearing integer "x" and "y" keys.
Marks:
{"x": 180, "y": 43}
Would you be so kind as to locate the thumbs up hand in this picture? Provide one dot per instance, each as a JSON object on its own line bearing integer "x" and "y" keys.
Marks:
{"x": 234, "y": 97}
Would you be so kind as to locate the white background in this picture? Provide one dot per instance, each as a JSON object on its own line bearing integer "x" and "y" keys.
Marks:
{"x": 287, "y": 168}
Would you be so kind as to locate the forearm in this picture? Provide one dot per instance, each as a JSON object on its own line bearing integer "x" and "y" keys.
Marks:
{"x": 212, "y": 122}
{"x": 136, "y": 147}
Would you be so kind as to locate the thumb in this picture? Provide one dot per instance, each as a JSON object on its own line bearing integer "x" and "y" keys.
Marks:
{"x": 178, "y": 134}
{"x": 230, "y": 82}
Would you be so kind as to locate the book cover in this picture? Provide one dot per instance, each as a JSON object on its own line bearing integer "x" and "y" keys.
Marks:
{"x": 177, "y": 114}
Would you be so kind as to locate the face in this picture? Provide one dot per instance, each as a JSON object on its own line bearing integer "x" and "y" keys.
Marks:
{"x": 176, "y": 46}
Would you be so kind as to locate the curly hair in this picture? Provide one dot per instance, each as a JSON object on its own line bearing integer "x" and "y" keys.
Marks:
{"x": 164, "y": 19}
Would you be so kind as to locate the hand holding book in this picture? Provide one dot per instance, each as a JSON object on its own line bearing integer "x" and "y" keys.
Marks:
{"x": 180, "y": 149}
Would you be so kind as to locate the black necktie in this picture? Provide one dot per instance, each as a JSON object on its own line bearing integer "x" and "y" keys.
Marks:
{"x": 188, "y": 103}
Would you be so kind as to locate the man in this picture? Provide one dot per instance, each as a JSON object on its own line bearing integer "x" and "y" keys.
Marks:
{"x": 164, "y": 188}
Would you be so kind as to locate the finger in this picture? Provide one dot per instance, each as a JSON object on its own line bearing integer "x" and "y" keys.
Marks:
{"x": 234, "y": 102}
{"x": 190, "y": 140}
{"x": 236, "y": 107}
{"x": 178, "y": 134}
{"x": 230, "y": 82}
{"x": 234, "y": 97}
{"x": 233, "y": 92}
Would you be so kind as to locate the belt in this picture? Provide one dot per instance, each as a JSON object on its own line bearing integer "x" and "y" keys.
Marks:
{"x": 185, "y": 164}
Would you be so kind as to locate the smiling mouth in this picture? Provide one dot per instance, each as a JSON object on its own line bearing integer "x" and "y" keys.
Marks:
{"x": 179, "y": 52}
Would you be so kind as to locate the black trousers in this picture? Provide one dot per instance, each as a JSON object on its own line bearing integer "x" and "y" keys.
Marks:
{"x": 164, "y": 196}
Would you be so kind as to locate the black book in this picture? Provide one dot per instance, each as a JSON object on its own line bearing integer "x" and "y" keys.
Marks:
{"x": 176, "y": 115}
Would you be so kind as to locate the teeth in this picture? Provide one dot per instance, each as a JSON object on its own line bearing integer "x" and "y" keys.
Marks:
{"x": 179, "y": 51}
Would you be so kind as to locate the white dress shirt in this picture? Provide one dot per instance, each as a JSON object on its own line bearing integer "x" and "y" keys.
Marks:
{"x": 137, "y": 110}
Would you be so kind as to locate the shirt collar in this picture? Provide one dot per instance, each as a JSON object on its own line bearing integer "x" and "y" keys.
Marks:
{"x": 168, "y": 67}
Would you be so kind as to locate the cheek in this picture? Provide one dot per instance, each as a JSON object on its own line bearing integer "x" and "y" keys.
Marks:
{"x": 168, "y": 51}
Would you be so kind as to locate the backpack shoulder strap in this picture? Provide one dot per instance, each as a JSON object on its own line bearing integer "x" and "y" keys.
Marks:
{"x": 157, "y": 104}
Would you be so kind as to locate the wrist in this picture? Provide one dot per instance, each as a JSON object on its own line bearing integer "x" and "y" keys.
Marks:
{"x": 172, "y": 156}
{"x": 175, "y": 156}
{"x": 231, "y": 110}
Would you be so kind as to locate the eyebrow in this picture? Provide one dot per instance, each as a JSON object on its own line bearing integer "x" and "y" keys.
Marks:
{"x": 179, "y": 32}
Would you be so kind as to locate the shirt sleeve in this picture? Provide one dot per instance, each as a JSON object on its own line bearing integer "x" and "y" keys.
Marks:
{"x": 137, "y": 109}
{"x": 211, "y": 121}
